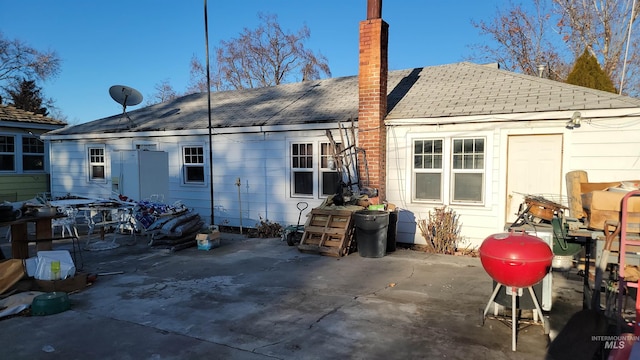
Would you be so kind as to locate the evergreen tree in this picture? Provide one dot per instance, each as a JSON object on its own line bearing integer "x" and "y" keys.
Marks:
{"x": 26, "y": 96}
{"x": 588, "y": 73}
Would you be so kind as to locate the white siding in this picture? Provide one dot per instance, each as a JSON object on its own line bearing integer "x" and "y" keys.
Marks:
{"x": 260, "y": 160}
{"x": 607, "y": 149}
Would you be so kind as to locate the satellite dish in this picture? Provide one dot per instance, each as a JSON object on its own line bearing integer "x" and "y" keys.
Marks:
{"x": 125, "y": 96}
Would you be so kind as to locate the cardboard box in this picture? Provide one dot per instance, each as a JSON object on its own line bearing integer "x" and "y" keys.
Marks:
{"x": 589, "y": 186}
{"x": 78, "y": 282}
{"x": 208, "y": 240}
{"x": 601, "y": 206}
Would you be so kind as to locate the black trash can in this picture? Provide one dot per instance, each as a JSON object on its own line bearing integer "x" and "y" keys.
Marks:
{"x": 371, "y": 232}
{"x": 392, "y": 232}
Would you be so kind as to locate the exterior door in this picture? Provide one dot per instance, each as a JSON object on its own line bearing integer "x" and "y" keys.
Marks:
{"x": 534, "y": 166}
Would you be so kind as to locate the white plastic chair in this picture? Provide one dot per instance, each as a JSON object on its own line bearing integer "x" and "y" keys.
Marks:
{"x": 67, "y": 223}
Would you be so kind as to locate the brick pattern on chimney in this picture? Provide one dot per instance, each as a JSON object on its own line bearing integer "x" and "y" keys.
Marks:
{"x": 372, "y": 109}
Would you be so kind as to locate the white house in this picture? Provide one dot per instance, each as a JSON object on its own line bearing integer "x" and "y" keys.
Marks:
{"x": 472, "y": 137}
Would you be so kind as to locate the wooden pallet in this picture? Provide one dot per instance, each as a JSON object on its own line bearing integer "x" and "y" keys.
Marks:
{"x": 328, "y": 232}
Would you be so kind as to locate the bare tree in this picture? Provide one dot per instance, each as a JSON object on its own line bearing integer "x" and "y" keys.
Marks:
{"x": 267, "y": 56}
{"x": 164, "y": 92}
{"x": 198, "y": 78}
{"x": 523, "y": 42}
{"x": 18, "y": 60}
{"x": 556, "y": 32}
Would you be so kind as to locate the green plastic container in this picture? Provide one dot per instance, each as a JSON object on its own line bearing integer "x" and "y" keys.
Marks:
{"x": 50, "y": 303}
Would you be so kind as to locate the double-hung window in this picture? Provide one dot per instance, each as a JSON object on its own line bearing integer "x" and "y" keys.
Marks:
{"x": 329, "y": 175}
{"x": 468, "y": 170}
{"x": 32, "y": 154}
{"x": 302, "y": 168}
{"x": 96, "y": 164}
{"x": 193, "y": 164}
{"x": 7, "y": 153}
{"x": 428, "y": 169}
{"x": 449, "y": 170}
{"x": 315, "y": 168}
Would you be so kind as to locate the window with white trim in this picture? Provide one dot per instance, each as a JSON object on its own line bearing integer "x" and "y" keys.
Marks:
{"x": 428, "y": 170}
{"x": 315, "y": 168}
{"x": 330, "y": 179}
{"x": 467, "y": 174}
{"x": 458, "y": 181}
{"x": 32, "y": 154}
{"x": 96, "y": 163}
{"x": 302, "y": 168}
{"x": 7, "y": 153}
{"x": 193, "y": 164}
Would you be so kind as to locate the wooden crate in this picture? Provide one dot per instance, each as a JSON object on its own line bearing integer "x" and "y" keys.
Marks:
{"x": 328, "y": 232}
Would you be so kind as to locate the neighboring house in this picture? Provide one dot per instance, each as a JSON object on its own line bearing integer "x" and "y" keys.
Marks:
{"x": 470, "y": 137}
{"x": 24, "y": 157}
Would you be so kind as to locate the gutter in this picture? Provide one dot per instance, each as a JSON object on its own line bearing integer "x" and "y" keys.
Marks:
{"x": 197, "y": 132}
{"x": 522, "y": 117}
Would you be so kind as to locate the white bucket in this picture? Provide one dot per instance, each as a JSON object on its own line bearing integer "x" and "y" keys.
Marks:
{"x": 562, "y": 262}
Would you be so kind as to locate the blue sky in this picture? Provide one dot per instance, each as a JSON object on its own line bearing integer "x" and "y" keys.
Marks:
{"x": 141, "y": 43}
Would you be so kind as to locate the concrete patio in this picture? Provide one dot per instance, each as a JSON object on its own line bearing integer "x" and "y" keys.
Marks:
{"x": 261, "y": 299}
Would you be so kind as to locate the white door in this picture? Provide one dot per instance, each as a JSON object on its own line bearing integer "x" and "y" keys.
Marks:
{"x": 534, "y": 166}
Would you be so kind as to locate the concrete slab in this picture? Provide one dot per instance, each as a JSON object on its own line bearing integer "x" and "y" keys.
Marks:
{"x": 261, "y": 299}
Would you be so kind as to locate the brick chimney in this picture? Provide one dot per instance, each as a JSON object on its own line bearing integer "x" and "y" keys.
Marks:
{"x": 372, "y": 99}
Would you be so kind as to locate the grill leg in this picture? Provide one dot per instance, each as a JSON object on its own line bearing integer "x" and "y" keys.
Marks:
{"x": 493, "y": 297}
{"x": 538, "y": 310}
{"x": 514, "y": 321}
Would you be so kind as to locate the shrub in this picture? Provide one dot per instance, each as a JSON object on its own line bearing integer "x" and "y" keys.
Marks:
{"x": 268, "y": 229}
{"x": 441, "y": 231}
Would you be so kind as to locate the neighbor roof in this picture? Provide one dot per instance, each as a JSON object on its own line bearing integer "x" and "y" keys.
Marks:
{"x": 460, "y": 89}
{"x": 11, "y": 113}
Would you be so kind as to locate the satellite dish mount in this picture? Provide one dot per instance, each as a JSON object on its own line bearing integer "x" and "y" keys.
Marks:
{"x": 125, "y": 96}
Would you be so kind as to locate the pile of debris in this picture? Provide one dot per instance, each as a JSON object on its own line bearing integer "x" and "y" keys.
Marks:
{"x": 171, "y": 227}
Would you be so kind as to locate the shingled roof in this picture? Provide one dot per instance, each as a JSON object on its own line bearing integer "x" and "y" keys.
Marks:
{"x": 461, "y": 89}
{"x": 13, "y": 114}
{"x": 466, "y": 89}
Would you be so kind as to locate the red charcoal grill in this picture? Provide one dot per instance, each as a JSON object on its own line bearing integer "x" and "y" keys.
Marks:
{"x": 515, "y": 260}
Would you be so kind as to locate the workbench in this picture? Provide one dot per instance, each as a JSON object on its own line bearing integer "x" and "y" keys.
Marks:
{"x": 20, "y": 236}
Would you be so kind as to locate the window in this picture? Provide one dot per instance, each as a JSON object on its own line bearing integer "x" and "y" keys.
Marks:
{"x": 315, "y": 169}
{"x": 460, "y": 181}
{"x": 7, "y": 153}
{"x": 96, "y": 163}
{"x": 193, "y": 164}
{"x": 329, "y": 177}
{"x": 302, "y": 165}
{"x": 32, "y": 154}
{"x": 428, "y": 172}
{"x": 468, "y": 170}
